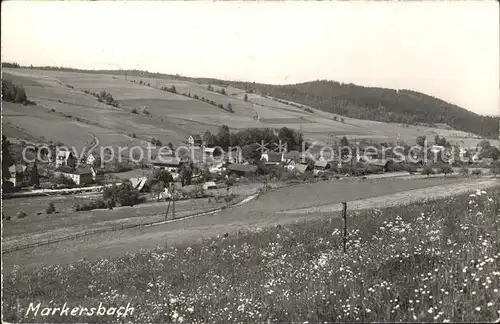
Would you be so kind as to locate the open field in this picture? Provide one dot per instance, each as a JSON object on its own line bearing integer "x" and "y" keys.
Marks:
{"x": 432, "y": 261}
{"x": 173, "y": 117}
{"x": 262, "y": 212}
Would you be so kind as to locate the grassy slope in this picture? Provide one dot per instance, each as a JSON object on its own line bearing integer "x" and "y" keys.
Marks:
{"x": 174, "y": 116}
{"x": 425, "y": 262}
{"x": 355, "y": 101}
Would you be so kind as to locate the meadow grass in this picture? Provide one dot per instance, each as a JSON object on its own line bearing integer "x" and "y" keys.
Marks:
{"x": 434, "y": 261}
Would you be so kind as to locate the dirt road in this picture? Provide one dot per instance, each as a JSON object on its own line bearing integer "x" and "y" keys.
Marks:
{"x": 282, "y": 206}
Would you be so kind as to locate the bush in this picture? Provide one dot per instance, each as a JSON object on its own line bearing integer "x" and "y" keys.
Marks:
{"x": 50, "y": 209}
{"x": 477, "y": 172}
{"x": 464, "y": 171}
{"x": 125, "y": 195}
{"x": 428, "y": 170}
{"x": 21, "y": 214}
{"x": 95, "y": 204}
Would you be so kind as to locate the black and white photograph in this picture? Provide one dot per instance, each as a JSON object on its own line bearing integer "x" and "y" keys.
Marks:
{"x": 250, "y": 161}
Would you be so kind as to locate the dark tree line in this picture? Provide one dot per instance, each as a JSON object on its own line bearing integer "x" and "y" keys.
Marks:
{"x": 250, "y": 139}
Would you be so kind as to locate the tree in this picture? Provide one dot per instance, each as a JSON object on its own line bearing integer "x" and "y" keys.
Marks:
{"x": 20, "y": 95}
{"x": 251, "y": 152}
{"x": 486, "y": 150}
{"x": 170, "y": 146}
{"x": 464, "y": 171}
{"x": 210, "y": 88}
{"x": 51, "y": 208}
{"x": 245, "y": 98}
{"x": 7, "y": 160}
{"x": 161, "y": 180}
{"x": 35, "y": 179}
{"x": 205, "y": 174}
{"x": 224, "y": 137}
{"x": 344, "y": 144}
{"x": 186, "y": 175}
{"x": 421, "y": 141}
{"x": 230, "y": 107}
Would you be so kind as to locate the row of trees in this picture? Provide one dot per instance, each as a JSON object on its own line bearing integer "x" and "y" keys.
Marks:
{"x": 250, "y": 139}
{"x": 104, "y": 97}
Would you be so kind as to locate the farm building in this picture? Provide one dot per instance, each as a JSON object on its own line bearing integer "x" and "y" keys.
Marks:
{"x": 138, "y": 183}
{"x": 17, "y": 175}
{"x": 241, "y": 170}
{"x": 171, "y": 164}
{"x": 235, "y": 155}
{"x": 271, "y": 158}
{"x": 65, "y": 158}
{"x": 195, "y": 140}
{"x": 80, "y": 176}
{"x": 213, "y": 151}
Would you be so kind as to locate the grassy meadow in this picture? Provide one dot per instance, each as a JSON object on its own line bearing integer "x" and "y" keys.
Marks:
{"x": 434, "y": 261}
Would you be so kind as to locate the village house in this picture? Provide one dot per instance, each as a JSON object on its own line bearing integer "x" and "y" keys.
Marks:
{"x": 234, "y": 155}
{"x": 290, "y": 159}
{"x": 241, "y": 170}
{"x": 302, "y": 168}
{"x": 171, "y": 164}
{"x": 80, "y": 176}
{"x": 209, "y": 185}
{"x": 213, "y": 151}
{"x": 195, "y": 140}
{"x": 17, "y": 175}
{"x": 320, "y": 166}
{"x": 271, "y": 158}
{"x": 65, "y": 158}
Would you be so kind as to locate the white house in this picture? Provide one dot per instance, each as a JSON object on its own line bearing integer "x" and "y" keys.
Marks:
{"x": 271, "y": 158}
{"x": 80, "y": 176}
{"x": 16, "y": 172}
{"x": 195, "y": 140}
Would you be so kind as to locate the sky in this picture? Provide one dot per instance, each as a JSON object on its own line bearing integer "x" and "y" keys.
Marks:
{"x": 446, "y": 49}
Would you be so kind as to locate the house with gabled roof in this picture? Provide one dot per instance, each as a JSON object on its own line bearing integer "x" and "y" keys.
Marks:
{"x": 65, "y": 158}
{"x": 271, "y": 158}
{"x": 195, "y": 140}
{"x": 80, "y": 176}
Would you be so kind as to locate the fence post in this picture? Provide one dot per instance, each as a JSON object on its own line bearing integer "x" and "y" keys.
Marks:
{"x": 344, "y": 216}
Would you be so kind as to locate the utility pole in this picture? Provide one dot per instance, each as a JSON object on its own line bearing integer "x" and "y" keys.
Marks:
{"x": 344, "y": 216}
